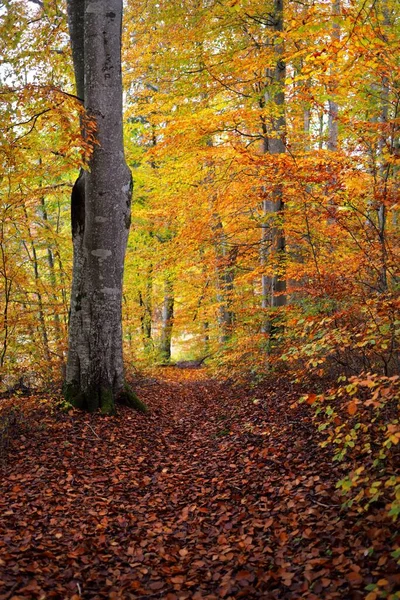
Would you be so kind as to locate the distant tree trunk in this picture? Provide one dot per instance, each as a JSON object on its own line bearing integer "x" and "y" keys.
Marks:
{"x": 306, "y": 128}
{"x": 333, "y": 126}
{"x": 5, "y": 290}
{"x": 100, "y": 212}
{"x": 320, "y": 130}
{"x": 145, "y": 303}
{"x": 225, "y": 276}
{"x": 384, "y": 166}
{"x": 53, "y": 282}
{"x": 205, "y": 326}
{"x": 32, "y": 255}
{"x": 167, "y": 321}
{"x": 61, "y": 275}
{"x": 333, "y": 114}
{"x": 273, "y": 292}
{"x": 206, "y": 337}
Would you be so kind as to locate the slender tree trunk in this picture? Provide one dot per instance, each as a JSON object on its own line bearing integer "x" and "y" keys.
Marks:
{"x": 53, "y": 282}
{"x": 145, "y": 303}
{"x": 206, "y": 338}
{"x": 272, "y": 234}
{"x": 320, "y": 130}
{"x": 100, "y": 212}
{"x": 225, "y": 264}
{"x": 333, "y": 114}
{"x": 167, "y": 321}
{"x": 306, "y": 128}
{"x": 6, "y": 292}
{"x": 35, "y": 265}
{"x": 333, "y": 126}
{"x": 384, "y": 168}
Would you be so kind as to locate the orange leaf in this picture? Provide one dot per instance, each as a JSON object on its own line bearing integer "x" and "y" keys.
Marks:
{"x": 352, "y": 407}
{"x": 354, "y": 577}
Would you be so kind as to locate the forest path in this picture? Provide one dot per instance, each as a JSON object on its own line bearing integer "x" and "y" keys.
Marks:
{"x": 216, "y": 494}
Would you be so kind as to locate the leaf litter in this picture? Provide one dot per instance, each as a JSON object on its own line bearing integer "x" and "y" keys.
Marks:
{"x": 218, "y": 493}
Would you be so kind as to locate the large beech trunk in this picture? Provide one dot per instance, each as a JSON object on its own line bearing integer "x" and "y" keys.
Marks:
{"x": 100, "y": 212}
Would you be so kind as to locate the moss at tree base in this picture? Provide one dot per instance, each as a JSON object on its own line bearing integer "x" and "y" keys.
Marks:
{"x": 89, "y": 401}
{"x": 128, "y": 398}
{"x": 107, "y": 405}
{"x": 92, "y": 401}
{"x": 74, "y": 396}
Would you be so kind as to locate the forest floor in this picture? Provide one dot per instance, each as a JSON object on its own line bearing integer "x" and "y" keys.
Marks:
{"x": 218, "y": 493}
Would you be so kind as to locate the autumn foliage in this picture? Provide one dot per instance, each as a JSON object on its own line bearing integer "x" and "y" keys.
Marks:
{"x": 216, "y": 494}
{"x": 218, "y": 214}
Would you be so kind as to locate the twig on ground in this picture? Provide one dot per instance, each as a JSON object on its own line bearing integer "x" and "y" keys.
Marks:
{"x": 89, "y": 425}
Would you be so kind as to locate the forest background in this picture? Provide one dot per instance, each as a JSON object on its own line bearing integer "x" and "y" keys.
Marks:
{"x": 264, "y": 146}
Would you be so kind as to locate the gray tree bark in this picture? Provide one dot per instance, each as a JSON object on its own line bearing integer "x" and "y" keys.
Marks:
{"x": 54, "y": 286}
{"x": 384, "y": 167}
{"x": 146, "y": 305}
{"x": 167, "y": 322}
{"x": 225, "y": 277}
{"x": 33, "y": 259}
{"x": 100, "y": 213}
{"x": 333, "y": 125}
{"x": 273, "y": 292}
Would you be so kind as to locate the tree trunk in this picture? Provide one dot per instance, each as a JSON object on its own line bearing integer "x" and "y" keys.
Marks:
{"x": 225, "y": 260}
{"x": 167, "y": 321}
{"x": 100, "y": 212}
{"x": 333, "y": 114}
{"x": 33, "y": 259}
{"x": 273, "y": 288}
{"x": 146, "y": 306}
{"x": 384, "y": 167}
{"x": 54, "y": 286}
{"x": 333, "y": 126}
{"x": 7, "y": 282}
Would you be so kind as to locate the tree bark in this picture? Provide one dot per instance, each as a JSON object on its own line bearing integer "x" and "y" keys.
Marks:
{"x": 100, "y": 212}
{"x": 146, "y": 317}
{"x": 54, "y": 286}
{"x": 167, "y": 320}
{"x": 333, "y": 125}
{"x": 384, "y": 168}
{"x": 33, "y": 259}
{"x": 273, "y": 288}
{"x": 225, "y": 260}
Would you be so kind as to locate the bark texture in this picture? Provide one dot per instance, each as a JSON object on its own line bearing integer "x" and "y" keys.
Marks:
{"x": 100, "y": 212}
{"x": 146, "y": 305}
{"x": 333, "y": 125}
{"x": 225, "y": 260}
{"x": 167, "y": 321}
{"x": 273, "y": 244}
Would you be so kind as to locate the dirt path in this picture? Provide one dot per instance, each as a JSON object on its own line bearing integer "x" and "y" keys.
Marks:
{"x": 211, "y": 496}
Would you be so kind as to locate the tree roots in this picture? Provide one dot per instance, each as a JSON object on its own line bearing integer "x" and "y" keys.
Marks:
{"x": 103, "y": 400}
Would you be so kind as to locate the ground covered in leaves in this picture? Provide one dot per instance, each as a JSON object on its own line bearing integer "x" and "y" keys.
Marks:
{"x": 218, "y": 493}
